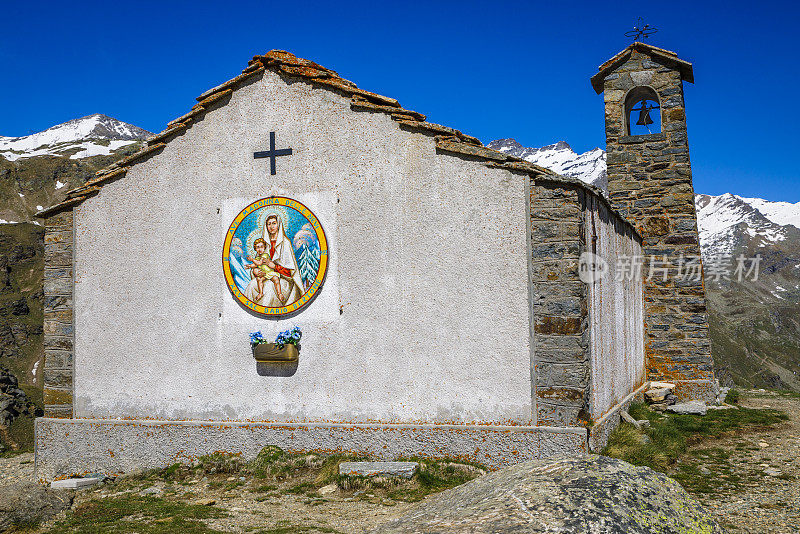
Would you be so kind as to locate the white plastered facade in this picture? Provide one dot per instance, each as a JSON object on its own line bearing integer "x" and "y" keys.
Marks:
{"x": 423, "y": 317}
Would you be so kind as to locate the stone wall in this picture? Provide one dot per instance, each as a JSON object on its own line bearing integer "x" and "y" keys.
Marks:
{"x": 572, "y": 358}
{"x": 58, "y": 317}
{"x": 558, "y": 303}
{"x": 76, "y": 446}
{"x": 650, "y": 183}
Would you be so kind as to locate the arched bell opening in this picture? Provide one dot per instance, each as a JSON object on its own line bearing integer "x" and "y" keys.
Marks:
{"x": 642, "y": 111}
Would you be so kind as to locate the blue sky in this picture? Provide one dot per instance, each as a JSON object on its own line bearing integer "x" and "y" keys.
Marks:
{"x": 491, "y": 69}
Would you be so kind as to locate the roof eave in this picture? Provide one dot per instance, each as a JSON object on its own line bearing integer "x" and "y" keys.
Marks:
{"x": 668, "y": 56}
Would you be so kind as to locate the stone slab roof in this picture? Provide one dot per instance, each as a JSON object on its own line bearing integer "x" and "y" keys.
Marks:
{"x": 287, "y": 65}
{"x": 668, "y": 57}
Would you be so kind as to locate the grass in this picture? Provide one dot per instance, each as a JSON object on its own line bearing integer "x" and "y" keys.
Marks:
{"x": 221, "y": 462}
{"x": 707, "y": 470}
{"x": 139, "y": 515}
{"x": 273, "y": 475}
{"x": 287, "y": 527}
{"x": 668, "y": 437}
{"x": 434, "y": 476}
{"x": 18, "y": 437}
{"x": 300, "y": 489}
{"x": 664, "y": 445}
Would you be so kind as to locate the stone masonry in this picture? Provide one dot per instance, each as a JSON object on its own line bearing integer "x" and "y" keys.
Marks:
{"x": 650, "y": 183}
{"x": 559, "y": 304}
{"x": 58, "y": 317}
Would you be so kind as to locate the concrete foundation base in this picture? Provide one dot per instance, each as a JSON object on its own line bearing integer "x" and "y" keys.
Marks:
{"x": 67, "y": 447}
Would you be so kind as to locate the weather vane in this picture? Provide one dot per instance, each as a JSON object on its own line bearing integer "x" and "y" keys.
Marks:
{"x": 641, "y": 30}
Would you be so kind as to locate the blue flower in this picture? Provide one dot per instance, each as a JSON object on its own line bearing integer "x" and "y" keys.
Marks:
{"x": 256, "y": 338}
{"x": 292, "y": 336}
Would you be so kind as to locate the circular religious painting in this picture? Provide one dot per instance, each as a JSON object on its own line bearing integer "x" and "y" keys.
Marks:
{"x": 275, "y": 256}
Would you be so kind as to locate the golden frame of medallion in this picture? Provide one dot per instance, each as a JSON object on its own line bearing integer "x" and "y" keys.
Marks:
{"x": 309, "y": 293}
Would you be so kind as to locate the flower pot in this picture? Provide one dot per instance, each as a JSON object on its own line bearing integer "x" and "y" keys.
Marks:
{"x": 269, "y": 352}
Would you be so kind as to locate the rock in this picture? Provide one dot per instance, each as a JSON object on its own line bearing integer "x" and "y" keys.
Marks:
{"x": 102, "y": 476}
{"x": 628, "y": 418}
{"x": 660, "y": 385}
{"x": 28, "y": 503}
{"x": 371, "y": 469}
{"x": 657, "y": 395}
{"x": 13, "y": 401}
{"x": 590, "y": 494}
{"x": 659, "y": 407}
{"x": 205, "y": 502}
{"x": 75, "y": 483}
{"x": 691, "y": 407}
{"x": 327, "y": 490}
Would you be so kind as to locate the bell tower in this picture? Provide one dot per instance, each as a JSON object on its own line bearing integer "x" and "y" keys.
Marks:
{"x": 650, "y": 183}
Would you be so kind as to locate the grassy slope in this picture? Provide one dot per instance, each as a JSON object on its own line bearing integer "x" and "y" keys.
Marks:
{"x": 672, "y": 444}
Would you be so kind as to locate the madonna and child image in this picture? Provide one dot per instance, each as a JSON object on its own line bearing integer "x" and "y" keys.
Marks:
{"x": 275, "y": 256}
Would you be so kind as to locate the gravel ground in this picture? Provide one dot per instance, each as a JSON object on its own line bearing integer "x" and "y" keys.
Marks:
{"x": 251, "y": 510}
{"x": 768, "y": 499}
{"x": 17, "y": 468}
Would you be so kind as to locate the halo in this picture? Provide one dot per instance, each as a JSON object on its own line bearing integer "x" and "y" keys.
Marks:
{"x": 266, "y": 211}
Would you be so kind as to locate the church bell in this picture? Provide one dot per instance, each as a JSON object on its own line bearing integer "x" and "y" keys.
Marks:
{"x": 644, "y": 115}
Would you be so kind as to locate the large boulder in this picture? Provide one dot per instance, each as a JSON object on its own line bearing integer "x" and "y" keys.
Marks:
{"x": 594, "y": 494}
{"x": 28, "y": 504}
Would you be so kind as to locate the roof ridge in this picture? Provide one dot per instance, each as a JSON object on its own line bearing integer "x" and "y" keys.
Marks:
{"x": 287, "y": 64}
{"x": 684, "y": 67}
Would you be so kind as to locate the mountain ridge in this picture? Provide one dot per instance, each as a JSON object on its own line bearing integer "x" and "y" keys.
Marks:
{"x": 84, "y": 137}
{"x": 590, "y": 167}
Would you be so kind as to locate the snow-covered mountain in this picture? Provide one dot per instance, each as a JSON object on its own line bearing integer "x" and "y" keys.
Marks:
{"x": 559, "y": 157}
{"x": 726, "y": 220}
{"x": 37, "y": 170}
{"x": 79, "y": 138}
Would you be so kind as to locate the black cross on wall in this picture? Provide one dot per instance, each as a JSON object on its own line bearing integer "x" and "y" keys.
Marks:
{"x": 272, "y": 153}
